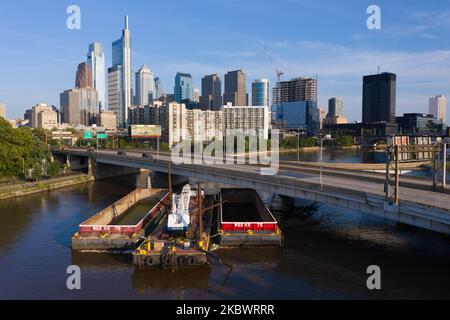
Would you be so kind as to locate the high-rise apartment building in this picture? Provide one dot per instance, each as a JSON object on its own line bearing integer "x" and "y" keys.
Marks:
{"x": 248, "y": 120}
{"x": 83, "y": 77}
{"x": 97, "y": 66}
{"x": 173, "y": 119}
{"x": 235, "y": 88}
{"x": 437, "y": 107}
{"x": 211, "y": 98}
{"x": 299, "y": 89}
{"x": 379, "y": 98}
{"x": 184, "y": 87}
{"x": 145, "y": 86}
{"x": 295, "y": 105}
{"x": 204, "y": 125}
{"x": 120, "y": 78}
{"x": 79, "y": 106}
{"x": 261, "y": 92}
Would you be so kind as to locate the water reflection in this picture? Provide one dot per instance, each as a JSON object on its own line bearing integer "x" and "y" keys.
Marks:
{"x": 324, "y": 256}
{"x": 330, "y": 155}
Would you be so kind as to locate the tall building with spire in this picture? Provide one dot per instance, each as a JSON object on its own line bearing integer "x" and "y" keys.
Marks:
{"x": 120, "y": 78}
{"x": 145, "y": 86}
{"x": 96, "y": 63}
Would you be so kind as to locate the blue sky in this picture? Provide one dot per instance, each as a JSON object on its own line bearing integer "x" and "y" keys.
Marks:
{"x": 39, "y": 55}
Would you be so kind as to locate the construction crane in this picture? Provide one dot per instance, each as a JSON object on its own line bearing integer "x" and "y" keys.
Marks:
{"x": 279, "y": 73}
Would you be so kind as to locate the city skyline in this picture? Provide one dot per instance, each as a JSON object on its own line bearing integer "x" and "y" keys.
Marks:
{"x": 340, "y": 73}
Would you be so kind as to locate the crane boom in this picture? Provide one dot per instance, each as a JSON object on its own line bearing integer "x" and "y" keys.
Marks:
{"x": 278, "y": 72}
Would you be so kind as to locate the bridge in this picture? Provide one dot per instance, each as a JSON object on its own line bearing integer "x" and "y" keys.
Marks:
{"x": 419, "y": 206}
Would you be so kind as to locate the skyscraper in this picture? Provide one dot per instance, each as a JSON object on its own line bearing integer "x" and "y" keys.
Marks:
{"x": 79, "y": 106}
{"x": 335, "y": 107}
{"x": 235, "y": 88}
{"x": 120, "y": 75}
{"x": 211, "y": 98}
{"x": 159, "y": 90}
{"x": 115, "y": 94}
{"x": 96, "y": 63}
{"x": 379, "y": 98}
{"x": 83, "y": 78}
{"x": 246, "y": 119}
{"x": 145, "y": 86}
{"x": 437, "y": 106}
{"x": 184, "y": 87}
{"x": 260, "y": 92}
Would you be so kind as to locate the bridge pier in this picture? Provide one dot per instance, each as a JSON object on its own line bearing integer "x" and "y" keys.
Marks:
{"x": 68, "y": 165}
{"x": 91, "y": 167}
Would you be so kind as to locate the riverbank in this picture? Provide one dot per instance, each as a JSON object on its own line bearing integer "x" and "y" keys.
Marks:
{"x": 29, "y": 188}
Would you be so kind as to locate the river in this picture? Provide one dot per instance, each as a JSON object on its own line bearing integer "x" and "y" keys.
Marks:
{"x": 324, "y": 257}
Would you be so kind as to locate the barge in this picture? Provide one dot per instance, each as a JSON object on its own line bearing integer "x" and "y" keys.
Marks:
{"x": 122, "y": 225}
{"x": 182, "y": 235}
{"x": 245, "y": 220}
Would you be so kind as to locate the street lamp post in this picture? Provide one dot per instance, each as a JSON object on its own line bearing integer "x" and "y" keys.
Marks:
{"x": 444, "y": 165}
{"x": 327, "y": 137}
{"x": 298, "y": 146}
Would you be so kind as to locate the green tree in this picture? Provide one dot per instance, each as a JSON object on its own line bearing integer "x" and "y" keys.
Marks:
{"x": 164, "y": 147}
{"x": 53, "y": 169}
{"x": 345, "y": 141}
{"x": 20, "y": 149}
{"x": 37, "y": 172}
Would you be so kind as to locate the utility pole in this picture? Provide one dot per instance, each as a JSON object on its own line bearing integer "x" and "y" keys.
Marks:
{"x": 444, "y": 165}
{"x": 392, "y": 185}
{"x": 200, "y": 212}
{"x": 397, "y": 175}
{"x": 170, "y": 184}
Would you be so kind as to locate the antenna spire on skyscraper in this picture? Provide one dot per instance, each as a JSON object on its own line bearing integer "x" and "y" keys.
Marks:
{"x": 126, "y": 22}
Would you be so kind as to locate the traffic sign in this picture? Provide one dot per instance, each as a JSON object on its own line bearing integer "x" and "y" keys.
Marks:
{"x": 87, "y": 135}
{"x": 102, "y": 136}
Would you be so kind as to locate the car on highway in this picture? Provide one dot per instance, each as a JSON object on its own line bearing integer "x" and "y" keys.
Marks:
{"x": 90, "y": 149}
{"x": 147, "y": 156}
{"x": 121, "y": 153}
